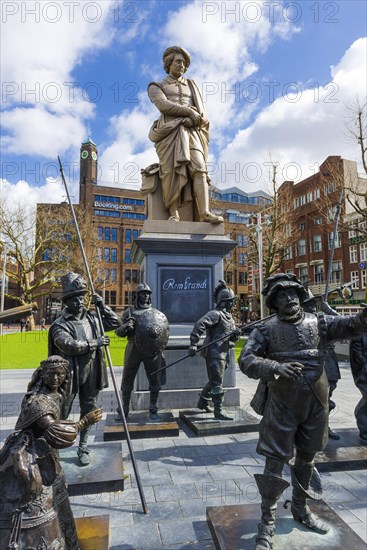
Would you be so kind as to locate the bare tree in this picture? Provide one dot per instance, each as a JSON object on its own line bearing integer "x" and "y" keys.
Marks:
{"x": 42, "y": 245}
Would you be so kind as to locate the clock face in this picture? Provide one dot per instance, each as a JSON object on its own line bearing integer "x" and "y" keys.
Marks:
{"x": 94, "y": 155}
{"x": 84, "y": 154}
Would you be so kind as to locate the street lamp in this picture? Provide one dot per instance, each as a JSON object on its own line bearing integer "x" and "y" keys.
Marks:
{"x": 3, "y": 281}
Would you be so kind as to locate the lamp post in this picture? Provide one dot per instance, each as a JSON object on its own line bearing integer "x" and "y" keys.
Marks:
{"x": 259, "y": 231}
{"x": 3, "y": 280}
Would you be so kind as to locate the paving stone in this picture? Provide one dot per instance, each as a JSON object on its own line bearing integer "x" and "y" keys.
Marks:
{"x": 175, "y": 492}
{"x": 184, "y": 531}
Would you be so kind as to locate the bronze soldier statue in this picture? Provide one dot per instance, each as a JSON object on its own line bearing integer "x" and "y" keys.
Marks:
{"x": 147, "y": 330}
{"x": 35, "y": 511}
{"x": 217, "y": 323}
{"x": 287, "y": 354}
{"x": 331, "y": 361}
{"x": 76, "y": 335}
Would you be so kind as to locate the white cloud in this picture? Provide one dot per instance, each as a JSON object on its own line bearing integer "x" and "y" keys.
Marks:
{"x": 41, "y": 45}
{"x": 299, "y": 133}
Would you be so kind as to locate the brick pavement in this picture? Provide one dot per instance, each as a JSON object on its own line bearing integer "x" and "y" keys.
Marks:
{"x": 181, "y": 476}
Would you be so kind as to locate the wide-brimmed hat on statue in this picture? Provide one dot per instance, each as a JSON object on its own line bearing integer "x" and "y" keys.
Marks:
{"x": 280, "y": 281}
{"x": 73, "y": 284}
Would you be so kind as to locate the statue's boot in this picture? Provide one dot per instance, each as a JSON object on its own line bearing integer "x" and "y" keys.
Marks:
{"x": 201, "y": 193}
{"x": 153, "y": 409}
{"x": 126, "y": 395}
{"x": 217, "y": 397}
{"x": 299, "y": 508}
{"x": 203, "y": 404}
{"x": 270, "y": 488}
{"x": 83, "y": 451}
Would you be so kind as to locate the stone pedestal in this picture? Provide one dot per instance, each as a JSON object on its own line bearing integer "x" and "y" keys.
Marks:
{"x": 182, "y": 263}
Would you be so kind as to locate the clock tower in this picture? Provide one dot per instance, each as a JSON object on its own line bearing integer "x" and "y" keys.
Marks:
{"x": 88, "y": 167}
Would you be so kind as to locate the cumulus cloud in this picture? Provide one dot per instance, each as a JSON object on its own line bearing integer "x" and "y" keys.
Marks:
{"x": 299, "y": 129}
{"x": 42, "y": 44}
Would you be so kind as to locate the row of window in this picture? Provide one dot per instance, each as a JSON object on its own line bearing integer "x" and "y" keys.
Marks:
{"x": 125, "y": 200}
{"x": 106, "y": 275}
{"x": 242, "y": 240}
{"x": 115, "y": 214}
{"x": 353, "y": 253}
{"x": 315, "y": 245}
{"x": 318, "y": 274}
{"x": 242, "y": 278}
{"x": 107, "y": 254}
{"x": 107, "y": 234}
{"x": 307, "y": 197}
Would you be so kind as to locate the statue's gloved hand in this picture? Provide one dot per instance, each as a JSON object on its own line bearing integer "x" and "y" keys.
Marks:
{"x": 237, "y": 333}
{"x": 195, "y": 116}
{"x": 99, "y": 342}
{"x": 193, "y": 350}
{"x": 97, "y": 301}
{"x": 292, "y": 370}
{"x": 129, "y": 325}
{"x": 94, "y": 416}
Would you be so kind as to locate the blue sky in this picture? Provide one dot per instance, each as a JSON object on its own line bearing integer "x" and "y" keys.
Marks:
{"x": 292, "y": 68}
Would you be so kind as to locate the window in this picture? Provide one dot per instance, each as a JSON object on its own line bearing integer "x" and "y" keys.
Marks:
{"x": 352, "y": 233}
{"x": 363, "y": 278}
{"x": 114, "y": 234}
{"x": 336, "y": 272}
{"x": 296, "y": 203}
{"x": 127, "y": 255}
{"x": 303, "y": 274}
{"x": 239, "y": 240}
{"x": 353, "y": 257}
{"x": 317, "y": 221}
{"x": 316, "y": 194}
{"x": 288, "y": 253}
{"x": 106, "y": 275}
{"x": 107, "y": 234}
{"x": 134, "y": 275}
{"x": 337, "y": 240}
{"x": 100, "y": 233}
{"x": 301, "y": 247}
{"x": 317, "y": 243}
{"x": 245, "y": 240}
{"x": 99, "y": 253}
{"x": 302, "y": 200}
{"x": 242, "y": 278}
{"x": 240, "y": 258}
{"x": 309, "y": 196}
{"x": 229, "y": 277}
{"x": 137, "y": 202}
{"x": 331, "y": 213}
{"x": 330, "y": 187}
{"x": 135, "y": 233}
{"x": 354, "y": 277}
{"x": 128, "y": 236}
{"x": 113, "y": 275}
{"x": 363, "y": 251}
{"x": 134, "y": 215}
{"x": 302, "y": 226}
{"x": 127, "y": 275}
{"x": 113, "y": 254}
{"x": 106, "y": 255}
{"x": 319, "y": 273}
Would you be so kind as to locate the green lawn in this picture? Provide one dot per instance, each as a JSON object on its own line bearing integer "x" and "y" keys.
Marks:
{"x": 25, "y": 350}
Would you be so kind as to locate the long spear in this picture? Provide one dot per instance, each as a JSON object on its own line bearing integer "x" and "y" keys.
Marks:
{"x": 226, "y": 336}
{"x": 106, "y": 348}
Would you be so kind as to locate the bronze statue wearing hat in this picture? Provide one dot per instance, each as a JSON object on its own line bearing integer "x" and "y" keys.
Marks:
{"x": 287, "y": 354}
{"x": 181, "y": 137}
{"x": 76, "y": 336}
{"x": 147, "y": 330}
{"x": 217, "y": 323}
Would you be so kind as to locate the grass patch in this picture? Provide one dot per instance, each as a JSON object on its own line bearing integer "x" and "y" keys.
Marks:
{"x": 25, "y": 350}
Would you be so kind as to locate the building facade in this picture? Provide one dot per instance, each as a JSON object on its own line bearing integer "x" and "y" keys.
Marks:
{"x": 315, "y": 202}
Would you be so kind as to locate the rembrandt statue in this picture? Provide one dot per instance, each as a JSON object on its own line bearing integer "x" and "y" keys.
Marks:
{"x": 181, "y": 138}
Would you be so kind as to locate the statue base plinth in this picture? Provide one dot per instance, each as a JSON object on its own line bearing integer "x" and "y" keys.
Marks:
{"x": 104, "y": 474}
{"x": 203, "y": 424}
{"x": 93, "y": 532}
{"x": 141, "y": 427}
{"x": 235, "y": 527}
{"x": 346, "y": 453}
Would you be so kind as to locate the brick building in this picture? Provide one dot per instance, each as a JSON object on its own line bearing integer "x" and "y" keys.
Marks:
{"x": 315, "y": 201}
